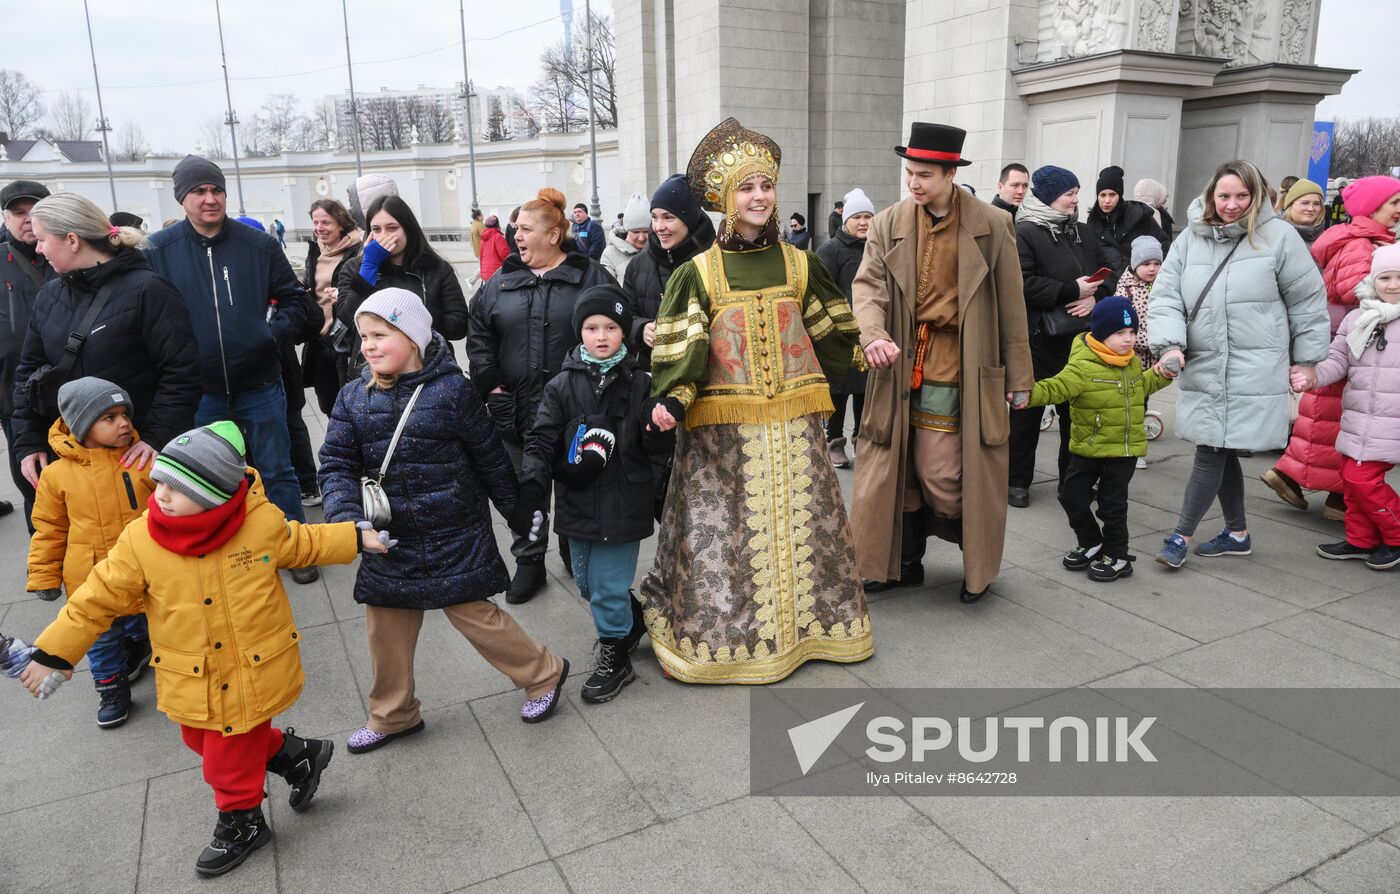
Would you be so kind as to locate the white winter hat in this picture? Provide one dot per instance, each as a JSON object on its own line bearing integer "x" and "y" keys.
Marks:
{"x": 637, "y": 214}
{"x": 404, "y": 311}
{"x": 372, "y": 186}
{"x": 857, "y": 202}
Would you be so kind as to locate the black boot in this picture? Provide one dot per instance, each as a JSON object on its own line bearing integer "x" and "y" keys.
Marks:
{"x": 300, "y": 762}
{"x": 566, "y": 555}
{"x": 612, "y": 672}
{"x": 913, "y": 541}
{"x": 528, "y": 580}
{"x": 237, "y": 834}
{"x": 639, "y": 626}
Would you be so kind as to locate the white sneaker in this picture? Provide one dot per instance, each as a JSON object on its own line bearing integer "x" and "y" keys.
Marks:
{"x": 1142, "y": 462}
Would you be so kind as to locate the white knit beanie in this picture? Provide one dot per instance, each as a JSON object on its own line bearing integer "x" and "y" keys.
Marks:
{"x": 637, "y": 214}
{"x": 857, "y": 202}
{"x": 404, "y": 311}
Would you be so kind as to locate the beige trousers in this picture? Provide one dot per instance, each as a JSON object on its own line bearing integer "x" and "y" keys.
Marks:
{"x": 496, "y": 636}
{"x": 935, "y": 472}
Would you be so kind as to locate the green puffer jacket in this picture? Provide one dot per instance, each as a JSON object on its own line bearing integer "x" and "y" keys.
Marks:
{"x": 1106, "y": 403}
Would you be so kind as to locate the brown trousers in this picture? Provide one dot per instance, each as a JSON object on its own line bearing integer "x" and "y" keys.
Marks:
{"x": 496, "y": 636}
{"x": 935, "y": 472}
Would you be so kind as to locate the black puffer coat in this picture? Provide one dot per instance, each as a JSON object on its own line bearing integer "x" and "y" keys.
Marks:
{"x": 142, "y": 340}
{"x": 647, "y": 275}
{"x": 520, "y": 331}
{"x": 447, "y": 465}
{"x": 842, "y": 254}
{"x": 430, "y": 278}
{"x": 617, "y": 506}
{"x": 20, "y": 288}
{"x": 1050, "y": 264}
{"x": 1116, "y": 231}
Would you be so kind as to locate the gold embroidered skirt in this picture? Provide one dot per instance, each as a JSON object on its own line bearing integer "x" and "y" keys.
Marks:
{"x": 755, "y": 571}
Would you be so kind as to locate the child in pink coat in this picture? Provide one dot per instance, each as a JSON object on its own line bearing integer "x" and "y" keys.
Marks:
{"x": 1369, "y": 441}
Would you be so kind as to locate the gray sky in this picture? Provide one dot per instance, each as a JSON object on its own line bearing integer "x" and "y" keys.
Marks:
{"x": 160, "y": 62}
{"x": 151, "y": 52}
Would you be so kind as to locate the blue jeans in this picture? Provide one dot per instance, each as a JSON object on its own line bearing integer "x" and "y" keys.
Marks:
{"x": 604, "y": 573}
{"x": 261, "y": 415}
{"x": 107, "y": 657}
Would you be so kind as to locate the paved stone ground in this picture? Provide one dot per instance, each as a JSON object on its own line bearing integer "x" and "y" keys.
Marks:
{"x": 648, "y": 792}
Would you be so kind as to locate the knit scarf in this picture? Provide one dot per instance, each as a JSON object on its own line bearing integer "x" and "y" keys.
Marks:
{"x": 1107, "y": 354}
{"x": 197, "y": 535}
{"x": 603, "y": 366}
{"x": 1042, "y": 215}
{"x": 1374, "y": 312}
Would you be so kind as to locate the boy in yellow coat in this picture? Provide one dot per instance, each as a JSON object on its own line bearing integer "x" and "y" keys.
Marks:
{"x": 84, "y": 500}
{"x": 202, "y": 563}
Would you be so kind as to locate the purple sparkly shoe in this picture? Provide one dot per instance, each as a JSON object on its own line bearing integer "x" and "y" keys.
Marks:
{"x": 537, "y": 709}
{"x": 365, "y": 739}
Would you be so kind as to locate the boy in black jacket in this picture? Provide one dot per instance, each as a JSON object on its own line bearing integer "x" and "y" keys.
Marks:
{"x": 589, "y": 438}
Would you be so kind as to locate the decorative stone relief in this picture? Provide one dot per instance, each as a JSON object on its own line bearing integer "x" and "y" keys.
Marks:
{"x": 1295, "y": 17}
{"x": 1233, "y": 29}
{"x": 1155, "y": 28}
{"x": 1085, "y": 27}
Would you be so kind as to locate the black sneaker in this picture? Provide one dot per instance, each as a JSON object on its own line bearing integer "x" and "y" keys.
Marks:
{"x": 612, "y": 672}
{"x": 237, "y": 834}
{"x": 1106, "y": 569}
{"x": 1020, "y": 497}
{"x": 1081, "y": 557}
{"x": 138, "y": 655}
{"x": 6, "y": 507}
{"x": 300, "y": 762}
{"x": 308, "y": 575}
{"x": 1343, "y": 550}
{"x": 1384, "y": 558}
{"x": 114, "y": 702}
{"x": 529, "y": 580}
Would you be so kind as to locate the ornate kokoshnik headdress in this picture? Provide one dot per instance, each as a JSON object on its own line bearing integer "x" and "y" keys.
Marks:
{"x": 727, "y": 156}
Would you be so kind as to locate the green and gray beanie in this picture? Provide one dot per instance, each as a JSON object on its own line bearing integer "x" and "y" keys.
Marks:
{"x": 205, "y": 464}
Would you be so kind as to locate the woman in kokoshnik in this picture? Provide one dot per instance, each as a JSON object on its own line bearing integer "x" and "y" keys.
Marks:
{"x": 755, "y": 571}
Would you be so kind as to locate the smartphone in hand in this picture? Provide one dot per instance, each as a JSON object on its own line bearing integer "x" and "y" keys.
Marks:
{"x": 1099, "y": 274}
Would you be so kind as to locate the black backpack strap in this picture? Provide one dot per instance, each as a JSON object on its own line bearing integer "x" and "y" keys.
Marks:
{"x": 78, "y": 337}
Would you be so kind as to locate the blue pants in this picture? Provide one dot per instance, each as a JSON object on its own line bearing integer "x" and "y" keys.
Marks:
{"x": 107, "y": 657}
{"x": 604, "y": 572}
{"x": 261, "y": 415}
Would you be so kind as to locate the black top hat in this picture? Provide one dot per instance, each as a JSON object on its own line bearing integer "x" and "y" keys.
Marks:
{"x": 939, "y": 144}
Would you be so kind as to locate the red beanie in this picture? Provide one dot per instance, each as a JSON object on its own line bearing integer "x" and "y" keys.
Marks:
{"x": 1363, "y": 197}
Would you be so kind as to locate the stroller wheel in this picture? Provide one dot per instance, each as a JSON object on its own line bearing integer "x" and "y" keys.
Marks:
{"x": 1152, "y": 424}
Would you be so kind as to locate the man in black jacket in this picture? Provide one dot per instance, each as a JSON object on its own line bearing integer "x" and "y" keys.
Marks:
{"x": 1012, "y": 185}
{"x": 245, "y": 303}
{"x": 23, "y": 271}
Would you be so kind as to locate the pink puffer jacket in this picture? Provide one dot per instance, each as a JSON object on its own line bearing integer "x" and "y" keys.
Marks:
{"x": 1371, "y": 402}
{"x": 1344, "y": 254}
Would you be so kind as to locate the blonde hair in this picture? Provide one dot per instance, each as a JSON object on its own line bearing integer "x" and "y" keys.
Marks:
{"x": 1254, "y": 183}
{"x": 383, "y": 383}
{"x": 67, "y": 212}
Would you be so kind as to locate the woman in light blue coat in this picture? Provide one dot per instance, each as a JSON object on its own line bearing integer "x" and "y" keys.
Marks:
{"x": 1238, "y": 303}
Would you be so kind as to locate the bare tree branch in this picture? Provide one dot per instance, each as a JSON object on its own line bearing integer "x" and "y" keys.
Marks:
{"x": 213, "y": 138}
{"x": 1365, "y": 146}
{"x": 20, "y": 108}
{"x": 131, "y": 142}
{"x": 71, "y": 117}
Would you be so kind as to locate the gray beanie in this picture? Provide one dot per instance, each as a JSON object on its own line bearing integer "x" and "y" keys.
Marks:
{"x": 205, "y": 464}
{"x": 193, "y": 171}
{"x": 82, "y": 402}
{"x": 1145, "y": 248}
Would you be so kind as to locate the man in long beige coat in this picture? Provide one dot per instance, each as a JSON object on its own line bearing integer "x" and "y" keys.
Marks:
{"x": 941, "y": 283}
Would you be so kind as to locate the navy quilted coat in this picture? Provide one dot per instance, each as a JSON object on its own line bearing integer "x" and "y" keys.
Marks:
{"x": 449, "y": 462}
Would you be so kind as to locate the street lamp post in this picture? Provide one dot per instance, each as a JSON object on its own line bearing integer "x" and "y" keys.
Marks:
{"x": 594, "y": 207}
{"x": 354, "y": 108}
{"x": 467, "y": 100}
{"x": 230, "y": 118}
{"x": 102, "y": 124}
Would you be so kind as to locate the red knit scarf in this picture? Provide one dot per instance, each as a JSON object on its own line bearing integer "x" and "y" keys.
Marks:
{"x": 197, "y": 535}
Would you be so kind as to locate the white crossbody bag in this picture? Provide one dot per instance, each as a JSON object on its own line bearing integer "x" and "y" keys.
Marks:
{"x": 372, "y": 496}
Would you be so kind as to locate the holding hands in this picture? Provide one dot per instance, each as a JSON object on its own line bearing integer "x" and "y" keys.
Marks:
{"x": 1302, "y": 378}
{"x": 374, "y": 541}
{"x": 41, "y": 681}
{"x": 1170, "y": 364}
{"x": 881, "y": 353}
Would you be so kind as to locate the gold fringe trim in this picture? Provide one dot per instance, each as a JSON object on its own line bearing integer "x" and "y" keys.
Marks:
{"x": 771, "y": 668}
{"x": 758, "y": 410}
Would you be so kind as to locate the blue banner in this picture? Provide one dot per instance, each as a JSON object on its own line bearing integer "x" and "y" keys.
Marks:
{"x": 1320, "y": 154}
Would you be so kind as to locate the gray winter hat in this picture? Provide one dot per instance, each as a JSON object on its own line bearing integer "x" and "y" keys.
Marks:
{"x": 1145, "y": 248}
{"x": 82, "y": 402}
{"x": 193, "y": 171}
{"x": 205, "y": 464}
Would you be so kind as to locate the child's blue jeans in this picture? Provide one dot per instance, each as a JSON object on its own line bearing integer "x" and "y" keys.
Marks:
{"x": 604, "y": 573}
{"x": 107, "y": 657}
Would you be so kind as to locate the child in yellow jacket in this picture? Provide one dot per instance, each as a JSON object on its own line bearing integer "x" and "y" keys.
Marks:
{"x": 202, "y": 563}
{"x": 83, "y": 502}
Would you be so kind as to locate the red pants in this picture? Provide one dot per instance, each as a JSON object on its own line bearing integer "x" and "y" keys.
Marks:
{"x": 235, "y": 766}
{"x": 1373, "y": 508}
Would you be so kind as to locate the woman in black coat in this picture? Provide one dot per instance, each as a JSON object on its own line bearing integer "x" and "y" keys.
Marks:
{"x": 335, "y": 248}
{"x": 841, "y": 254}
{"x": 397, "y": 254}
{"x": 141, "y": 340}
{"x": 1116, "y": 222}
{"x": 520, "y": 331}
{"x": 1058, "y": 255}
{"x": 680, "y": 230}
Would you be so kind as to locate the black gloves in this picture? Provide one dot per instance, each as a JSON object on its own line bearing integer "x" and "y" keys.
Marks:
{"x": 672, "y": 406}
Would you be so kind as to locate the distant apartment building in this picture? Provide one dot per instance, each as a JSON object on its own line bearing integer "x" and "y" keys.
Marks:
{"x": 390, "y": 119}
